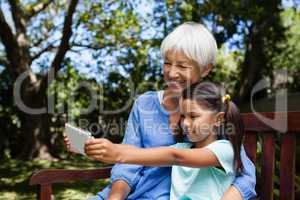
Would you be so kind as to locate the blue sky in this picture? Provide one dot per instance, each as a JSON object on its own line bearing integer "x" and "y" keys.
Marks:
{"x": 85, "y": 58}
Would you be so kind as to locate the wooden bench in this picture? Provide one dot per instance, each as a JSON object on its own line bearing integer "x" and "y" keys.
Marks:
{"x": 256, "y": 133}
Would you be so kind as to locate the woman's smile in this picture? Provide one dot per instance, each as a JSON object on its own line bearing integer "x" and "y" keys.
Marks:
{"x": 180, "y": 71}
{"x": 176, "y": 84}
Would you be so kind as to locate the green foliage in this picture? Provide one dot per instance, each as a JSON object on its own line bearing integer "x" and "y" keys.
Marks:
{"x": 226, "y": 70}
{"x": 9, "y": 116}
{"x": 128, "y": 62}
{"x": 14, "y": 175}
{"x": 289, "y": 56}
{"x": 70, "y": 90}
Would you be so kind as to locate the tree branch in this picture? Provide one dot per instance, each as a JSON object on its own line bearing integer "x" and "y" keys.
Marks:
{"x": 17, "y": 14}
{"x": 151, "y": 42}
{"x": 67, "y": 33}
{"x": 38, "y": 54}
{"x": 3, "y": 62}
{"x": 39, "y": 40}
{"x": 63, "y": 47}
{"x": 21, "y": 38}
{"x": 11, "y": 47}
{"x": 88, "y": 46}
{"x": 36, "y": 9}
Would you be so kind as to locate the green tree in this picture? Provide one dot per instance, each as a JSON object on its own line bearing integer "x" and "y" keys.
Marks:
{"x": 253, "y": 28}
{"x": 44, "y": 33}
{"x": 18, "y": 42}
{"x": 289, "y": 55}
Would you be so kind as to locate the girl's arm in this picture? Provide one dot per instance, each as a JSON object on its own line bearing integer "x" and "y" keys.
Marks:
{"x": 105, "y": 151}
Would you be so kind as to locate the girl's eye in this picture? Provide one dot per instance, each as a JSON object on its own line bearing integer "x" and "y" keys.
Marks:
{"x": 181, "y": 118}
{"x": 193, "y": 117}
{"x": 167, "y": 63}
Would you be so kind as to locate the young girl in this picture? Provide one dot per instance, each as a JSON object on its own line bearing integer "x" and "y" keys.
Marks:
{"x": 205, "y": 165}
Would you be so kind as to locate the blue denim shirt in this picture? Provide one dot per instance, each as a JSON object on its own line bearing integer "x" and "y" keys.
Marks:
{"x": 148, "y": 126}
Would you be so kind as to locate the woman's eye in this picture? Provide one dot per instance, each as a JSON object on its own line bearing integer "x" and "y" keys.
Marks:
{"x": 167, "y": 63}
{"x": 182, "y": 66}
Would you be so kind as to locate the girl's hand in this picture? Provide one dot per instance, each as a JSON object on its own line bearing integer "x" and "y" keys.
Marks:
{"x": 102, "y": 150}
{"x": 67, "y": 144}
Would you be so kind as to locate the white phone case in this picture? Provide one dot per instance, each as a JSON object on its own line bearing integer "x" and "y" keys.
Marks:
{"x": 77, "y": 137}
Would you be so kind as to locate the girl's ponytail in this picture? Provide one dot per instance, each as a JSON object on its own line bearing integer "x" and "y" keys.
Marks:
{"x": 234, "y": 130}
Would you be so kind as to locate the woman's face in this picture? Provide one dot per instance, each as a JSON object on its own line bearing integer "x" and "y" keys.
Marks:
{"x": 180, "y": 71}
{"x": 198, "y": 122}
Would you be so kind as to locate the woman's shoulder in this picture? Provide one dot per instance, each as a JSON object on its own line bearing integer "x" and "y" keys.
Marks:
{"x": 147, "y": 98}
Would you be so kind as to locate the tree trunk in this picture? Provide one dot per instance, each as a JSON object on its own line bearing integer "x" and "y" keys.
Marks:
{"x": 35, "y": 138}
{"x": 33, "y": 145}
{"x": 35, "y": 141}
{"x": 253, "y": 64}
{"x": 265, "y": 31}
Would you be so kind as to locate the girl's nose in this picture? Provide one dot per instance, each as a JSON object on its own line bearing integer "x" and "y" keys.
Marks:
{"x": 186, "y": 124}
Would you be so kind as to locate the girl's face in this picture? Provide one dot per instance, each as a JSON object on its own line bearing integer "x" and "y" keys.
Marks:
{"x": 198, "y": 122}
{"x": 180, "y": 71}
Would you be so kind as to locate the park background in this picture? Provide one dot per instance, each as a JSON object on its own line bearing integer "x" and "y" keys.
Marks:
{"x": 113, "y": 46}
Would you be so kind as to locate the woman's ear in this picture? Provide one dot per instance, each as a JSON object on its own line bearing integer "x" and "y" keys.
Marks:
{"x": 219, "y": 119}
{"x": 206, "y": 70}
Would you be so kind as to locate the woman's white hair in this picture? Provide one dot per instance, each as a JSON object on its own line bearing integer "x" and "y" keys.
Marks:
{"x": 194, "y": 40}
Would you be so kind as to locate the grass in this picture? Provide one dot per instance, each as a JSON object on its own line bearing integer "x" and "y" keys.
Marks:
{"x": 14, "y": 178}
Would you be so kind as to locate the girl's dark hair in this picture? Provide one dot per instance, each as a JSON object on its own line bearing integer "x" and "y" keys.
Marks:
{"x": 211, "y": 96}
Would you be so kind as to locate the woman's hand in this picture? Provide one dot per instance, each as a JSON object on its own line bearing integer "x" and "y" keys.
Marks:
{"x": 102, "y": 150}
{"x": 232, "y": 194}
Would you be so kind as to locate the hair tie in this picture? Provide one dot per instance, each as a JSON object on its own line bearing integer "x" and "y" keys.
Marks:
{"x": 226, "y": 98}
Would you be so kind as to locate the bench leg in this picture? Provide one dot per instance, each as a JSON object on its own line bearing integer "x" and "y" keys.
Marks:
{"x": 44, "y": 192}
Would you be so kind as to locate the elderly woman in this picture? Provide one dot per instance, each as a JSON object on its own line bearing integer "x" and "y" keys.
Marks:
{"x": 189, "y": 53}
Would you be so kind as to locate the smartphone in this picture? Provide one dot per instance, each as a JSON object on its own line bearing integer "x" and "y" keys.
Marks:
{"x": 77, "y": 137}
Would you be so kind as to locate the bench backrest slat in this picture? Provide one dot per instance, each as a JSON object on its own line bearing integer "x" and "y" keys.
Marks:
{"x": 268, "y": 166}
{"x": 250, "y": 144}
{"x": 255, "y": 129}
{"x": 287, "y": 167}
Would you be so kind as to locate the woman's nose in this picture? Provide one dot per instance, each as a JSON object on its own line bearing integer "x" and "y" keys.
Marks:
{"x": 174, "y": 72}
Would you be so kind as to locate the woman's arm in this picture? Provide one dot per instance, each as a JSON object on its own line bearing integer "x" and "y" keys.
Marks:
{"x": 105, "y": 151}
{"x": 243, "y": 187}
{"x": 232, "y": 194}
